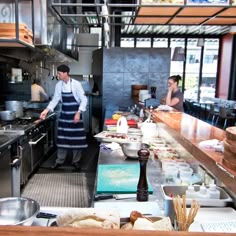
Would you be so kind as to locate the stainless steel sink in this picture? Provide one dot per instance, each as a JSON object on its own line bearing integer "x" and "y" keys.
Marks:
{"x": 169, "y": 191}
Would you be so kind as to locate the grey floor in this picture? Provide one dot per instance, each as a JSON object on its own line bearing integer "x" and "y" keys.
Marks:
{"x": 88, "y": 161}
{"x": 78, "y": 185}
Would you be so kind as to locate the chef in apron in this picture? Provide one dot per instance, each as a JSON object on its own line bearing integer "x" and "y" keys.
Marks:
{"x": 70, "y": 134}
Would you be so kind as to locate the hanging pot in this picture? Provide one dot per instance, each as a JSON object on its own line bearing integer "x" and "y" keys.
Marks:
{"x": 7, "y": 115}
{"x": 16, "y": 106}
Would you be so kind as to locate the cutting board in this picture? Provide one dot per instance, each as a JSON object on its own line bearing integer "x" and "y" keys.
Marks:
{"x": 120, "y": 178}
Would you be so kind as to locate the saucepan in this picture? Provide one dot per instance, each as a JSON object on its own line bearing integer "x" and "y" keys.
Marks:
{"x": 18, "y": 211}
{"x": 7, "y": 115}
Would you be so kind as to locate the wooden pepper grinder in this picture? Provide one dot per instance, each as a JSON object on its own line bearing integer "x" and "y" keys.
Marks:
{"x": 142, "y": 188}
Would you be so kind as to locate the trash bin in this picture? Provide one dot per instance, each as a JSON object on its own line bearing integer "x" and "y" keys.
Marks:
{"x": 15, "y": 178}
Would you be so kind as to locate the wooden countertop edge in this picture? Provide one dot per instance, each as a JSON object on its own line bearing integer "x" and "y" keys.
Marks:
{"x": 66, "y": 231}
{"x": 204, "y": 156}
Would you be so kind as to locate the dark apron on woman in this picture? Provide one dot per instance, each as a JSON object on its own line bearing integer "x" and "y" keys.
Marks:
{"x": 70, "y": 135}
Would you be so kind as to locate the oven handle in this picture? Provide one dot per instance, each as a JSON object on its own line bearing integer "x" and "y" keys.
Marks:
{"x": 38, "y": 140}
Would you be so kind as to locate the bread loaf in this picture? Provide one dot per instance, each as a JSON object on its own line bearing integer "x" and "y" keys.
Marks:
{"x": 90, "y": 218}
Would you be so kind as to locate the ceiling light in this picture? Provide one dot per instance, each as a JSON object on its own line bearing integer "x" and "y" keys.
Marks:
{"x": 178, "y": 54}
{"x": 104, "y": 11}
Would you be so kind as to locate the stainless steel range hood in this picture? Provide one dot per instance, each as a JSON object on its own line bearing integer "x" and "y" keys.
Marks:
{"x": 52, "y": 37}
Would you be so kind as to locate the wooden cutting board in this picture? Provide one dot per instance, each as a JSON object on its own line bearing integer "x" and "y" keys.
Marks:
{"x": 119, "y": 178}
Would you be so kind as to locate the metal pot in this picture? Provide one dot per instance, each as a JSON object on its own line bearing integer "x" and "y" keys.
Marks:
{"x": 18, "y": 211}
{"x": 16, "y": 106}
{"x": 7, "y": 115}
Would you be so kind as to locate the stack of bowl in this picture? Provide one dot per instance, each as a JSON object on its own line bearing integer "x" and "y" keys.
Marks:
{"x": 229, "y": 158}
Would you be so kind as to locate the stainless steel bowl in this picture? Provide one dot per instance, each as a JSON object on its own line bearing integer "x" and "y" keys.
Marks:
{"x": 131, "y": 149}
{"x": 18, "y": 211}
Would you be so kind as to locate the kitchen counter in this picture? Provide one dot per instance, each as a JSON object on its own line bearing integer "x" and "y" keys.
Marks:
{"x": 189, "y": 131}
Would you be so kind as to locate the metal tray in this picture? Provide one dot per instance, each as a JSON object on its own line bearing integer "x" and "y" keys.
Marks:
{"x": 105, "y": 136}
{"x": 169, "y": 191}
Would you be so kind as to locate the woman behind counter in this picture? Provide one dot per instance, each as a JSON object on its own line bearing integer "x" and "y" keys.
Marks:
{"x": 174, "y": 97}
{"x": 38, "y": 93}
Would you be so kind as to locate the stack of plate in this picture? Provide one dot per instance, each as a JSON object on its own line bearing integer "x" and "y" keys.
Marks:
{"x": 230, "y": 148}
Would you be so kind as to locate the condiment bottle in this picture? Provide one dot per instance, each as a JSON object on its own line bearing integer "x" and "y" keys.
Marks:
{"x": 142, "y": 187}
{"x": 213, "y": 192}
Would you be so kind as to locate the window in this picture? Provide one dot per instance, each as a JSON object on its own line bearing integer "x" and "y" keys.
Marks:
{"x": 143, "y": 42}
{"x": 127, "y": 43}
{"x": 160, "y": 42}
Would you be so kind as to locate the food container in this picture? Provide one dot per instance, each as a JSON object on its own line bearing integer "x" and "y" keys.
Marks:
{"x": 170, "y": 191}
{"x": 16, "y": 106}
{"x": 131, "y": 149}
{"x": 7, "y": 115}
{"x": 18, "y": 211}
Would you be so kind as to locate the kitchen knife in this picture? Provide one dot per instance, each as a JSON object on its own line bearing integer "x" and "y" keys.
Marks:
{"x": 99, "y": 197}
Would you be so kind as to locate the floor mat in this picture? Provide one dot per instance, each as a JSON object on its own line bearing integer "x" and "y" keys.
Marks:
{"x": 61, "y": 190}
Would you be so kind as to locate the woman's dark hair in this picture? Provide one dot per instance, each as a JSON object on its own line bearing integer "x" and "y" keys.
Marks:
{"x": 175, "y": 78}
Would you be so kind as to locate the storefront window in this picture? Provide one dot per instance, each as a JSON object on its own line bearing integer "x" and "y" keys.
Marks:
{"x": 176, "y": 67}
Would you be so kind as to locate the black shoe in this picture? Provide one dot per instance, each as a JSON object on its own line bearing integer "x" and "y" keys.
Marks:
{"x": 55, "y": 166}
{"x": 76, "y": 166}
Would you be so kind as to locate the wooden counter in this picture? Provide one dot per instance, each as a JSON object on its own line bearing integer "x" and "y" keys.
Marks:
{"x": 54, "y": 231}
{"x": 189, "y": 131}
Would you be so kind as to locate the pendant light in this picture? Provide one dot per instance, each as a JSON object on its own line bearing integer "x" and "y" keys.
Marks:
{"x": 200, "y": 42}
{"x": 178, "y": 54}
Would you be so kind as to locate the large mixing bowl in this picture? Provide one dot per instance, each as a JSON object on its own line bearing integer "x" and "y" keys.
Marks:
{"x": 131, "y": 149}
{"x": 18, "y": 211}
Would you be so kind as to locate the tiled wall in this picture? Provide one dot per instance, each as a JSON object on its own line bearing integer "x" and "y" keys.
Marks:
{"x": 123, "y": 67}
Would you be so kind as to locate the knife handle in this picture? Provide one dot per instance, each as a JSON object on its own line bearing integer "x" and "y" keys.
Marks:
{"x": 103, "y": 197}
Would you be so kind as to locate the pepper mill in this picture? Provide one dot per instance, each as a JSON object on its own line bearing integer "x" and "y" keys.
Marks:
{"x": 142, "y": 187}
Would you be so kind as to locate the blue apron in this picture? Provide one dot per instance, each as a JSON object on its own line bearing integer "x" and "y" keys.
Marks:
{"x": 70, "y": 135}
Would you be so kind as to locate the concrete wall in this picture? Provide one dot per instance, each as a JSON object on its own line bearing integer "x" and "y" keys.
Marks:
{"x": 123, "y": 67}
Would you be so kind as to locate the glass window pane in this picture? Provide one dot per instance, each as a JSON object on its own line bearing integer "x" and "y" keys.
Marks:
{"x": 192, "y": 69}
{"x": 160, "y": 42}
{"x": 143, "y": 43}
{"x": 176, "y": 67}
{"x": 209, "y": 70}
{"x": 127, "y": 43}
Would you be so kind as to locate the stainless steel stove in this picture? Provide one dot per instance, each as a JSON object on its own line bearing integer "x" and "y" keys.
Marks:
{"x": 19, "y": 126}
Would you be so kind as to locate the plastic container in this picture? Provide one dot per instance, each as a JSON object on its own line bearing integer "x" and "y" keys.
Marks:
{"x": 185, "y": 175}
{"x": 213, "y": 192}
{"x": 203, "y": 192}
{"x": 190, "y": 192}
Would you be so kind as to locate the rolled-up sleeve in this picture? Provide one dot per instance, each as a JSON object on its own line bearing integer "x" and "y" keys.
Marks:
{"x": 56, "y": 97}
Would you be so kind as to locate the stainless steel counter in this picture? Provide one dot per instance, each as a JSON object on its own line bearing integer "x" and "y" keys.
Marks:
{"x": 154, "y": 175}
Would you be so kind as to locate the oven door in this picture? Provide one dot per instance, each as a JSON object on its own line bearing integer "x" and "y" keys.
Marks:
{"x": 24, "y": 154}
{"x": 37, "y": 150}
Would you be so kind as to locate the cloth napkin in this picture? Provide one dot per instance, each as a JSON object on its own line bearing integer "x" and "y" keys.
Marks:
{"x": 212, "y": 144}
{"x": 110, "y": 146}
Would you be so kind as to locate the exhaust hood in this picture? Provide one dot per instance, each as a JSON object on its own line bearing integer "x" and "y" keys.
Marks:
{"x": 52, "y": 37}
